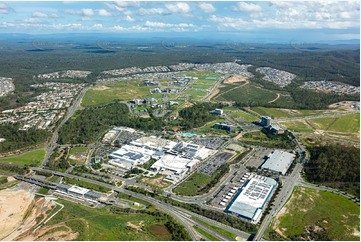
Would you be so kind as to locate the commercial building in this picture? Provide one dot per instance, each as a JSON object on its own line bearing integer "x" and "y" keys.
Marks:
{"x": 79, "y": 192}
{"x": 251, "y": 199}
{"x": 279, "y": 161}
{"x": 275, "y": 129}
{"x": 265, "y": 121}
{"x": 224, "y": 126}
{"x": 218, "y": 111}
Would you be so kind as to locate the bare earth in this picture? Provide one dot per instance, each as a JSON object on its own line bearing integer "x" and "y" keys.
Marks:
{"x": 13, "y": 207}
{"x": 235, "y": 79}
{"x": 100, "y": 88}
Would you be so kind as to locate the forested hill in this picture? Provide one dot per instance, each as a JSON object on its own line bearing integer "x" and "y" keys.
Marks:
{"x": 336, "y": 166}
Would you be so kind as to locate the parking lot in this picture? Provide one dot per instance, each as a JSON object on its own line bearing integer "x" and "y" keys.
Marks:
{"x": 125, "y": 137}
{"x": 258, "y": 157}
{"x": 227, "y": 193}
{"x": 210, "y": 166}
{"x": 211, "y": 143}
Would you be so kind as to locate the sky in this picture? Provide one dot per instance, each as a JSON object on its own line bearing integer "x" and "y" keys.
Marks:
{"x": 316, "y": 21}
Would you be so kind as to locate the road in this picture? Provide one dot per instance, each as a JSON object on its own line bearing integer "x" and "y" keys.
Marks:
{"x": 71, "y": 110}
{"x": 316, "y": 116}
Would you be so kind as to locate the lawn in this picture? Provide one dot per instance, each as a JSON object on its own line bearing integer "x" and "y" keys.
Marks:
{"x": 334, "y": 213}
{"x": 31, "y": 158}
{"x": 243, "y": 116}
{"x": 102, "y": 225}
{"x": 195, "y": 94}
{"x": 246, "y": 94}
{"x": 77, "y": 150}
{"x": 122, "y": 90}
{"x": 297, "y": 126}
{"x": 347, "y": 123}
{"x": 272, "y": 112}
{"x": 193, "y": 184}
{"x": 208, "y": 236}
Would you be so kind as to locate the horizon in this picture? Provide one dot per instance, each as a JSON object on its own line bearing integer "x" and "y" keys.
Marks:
{"x": 248, "y": 22}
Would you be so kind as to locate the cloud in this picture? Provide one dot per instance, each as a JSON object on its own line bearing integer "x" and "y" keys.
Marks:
{"x": 151, "y": 11}
{"x": 207, "y": 7}
{"x": 103, "y": 12}
{"x": 44, "y": 15}
{"x": 179, "y": 7}
{"x": 97, "y": 26}
{"x": 4, "y": 8}
{"x": 127, "y": 3}
{"x": 129, "y": 18}
{"x": 87, "y": 12}
{"x": 115, "y": 7}
{"x": 167, "y": 25}
{"x": 247, "y": 7}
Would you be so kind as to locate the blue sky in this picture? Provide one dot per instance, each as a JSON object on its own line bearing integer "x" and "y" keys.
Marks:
{"x": 254, "y": 20}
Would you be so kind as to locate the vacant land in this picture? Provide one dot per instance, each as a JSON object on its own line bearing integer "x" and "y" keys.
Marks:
{"x": 122, "y": 90}
{"x": 297, "y": 126}
{"x": 31, "y": 158}
{"x": 195, "y": 94}
{"x": 193, "y": 184}
{"x": 101, "y": 224}
{"x": 157, "y": 181}
{"x": 274, "y": 141}
{"x": 285, "y": 113}
{"x": 245, "y": 94}
{"x": 318, "y": 215}
{"x": 241, "y": 116}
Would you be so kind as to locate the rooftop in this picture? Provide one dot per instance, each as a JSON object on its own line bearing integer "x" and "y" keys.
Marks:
{"x": 279, "y": 161}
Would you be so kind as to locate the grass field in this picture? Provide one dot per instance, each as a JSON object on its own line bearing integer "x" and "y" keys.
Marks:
{"x": 285, "y": 113}
{"x": 202, "y": 74}
{"x": 77, "y": 150}
{"x": 208, "y": 128}
{"x": 31, "y": 158}
{"x": 102, "y": 225}
{"x": 297, "y": 126}
{"x": 259, "y": 138}
{"x": 336, "y": 214}
{"x": 347, "y": 123}
{"x": 122, "y": 90}
{"x": 192, "y": 184}
{"x": 245, "y": 94}
{"x": 243, "y": 116}
{"x": 205, "y": 234}
{"x": 218, "y": 229}
{"x": 195, "y": 94}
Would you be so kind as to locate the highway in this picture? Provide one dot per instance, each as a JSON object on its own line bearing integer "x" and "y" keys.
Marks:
{"x": 71, "y": 110}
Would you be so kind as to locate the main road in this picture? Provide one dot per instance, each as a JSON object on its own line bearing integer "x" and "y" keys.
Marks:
{"x": 71, "y": 110}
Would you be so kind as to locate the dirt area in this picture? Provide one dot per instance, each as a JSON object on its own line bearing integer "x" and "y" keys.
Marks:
{"x": 235, "y": 147}
{"x": 13, "y": 207}
{"x": 56, "y": 232}
{"x": 213, "y": 94}
{"x": 158, "y": 182}
{"x": 159, "y": 230}
{"x": 346, "y": 105}
{"x": 35, "y": 214}
{"x": 235, "y": 79}
{"x": 274, "y": 100}
{"x": 101, "y": 88}
{"x": 11, "y": 179}
{"x": 136, "y": 227}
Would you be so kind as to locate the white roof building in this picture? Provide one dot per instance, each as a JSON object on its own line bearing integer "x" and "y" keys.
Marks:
{"x": 279, "y": 161}
{"x": 250, "y": 202}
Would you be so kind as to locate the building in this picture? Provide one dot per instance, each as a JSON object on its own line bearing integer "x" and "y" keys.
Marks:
{"x": 225, "y": 126}
{"x": 218, "y": 111}
{"x": 79, "y": 192}
{"x": 250, "y": 201}
{"x": 276, "y": 129}
{"x": 150, "y": 101}
{"x": 265, "y": 121}
{"x": 279, "y": 161}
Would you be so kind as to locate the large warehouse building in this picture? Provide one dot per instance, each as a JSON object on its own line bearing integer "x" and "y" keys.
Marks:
{"x": 252, "y": 198}
{"x": 279, "y": 161}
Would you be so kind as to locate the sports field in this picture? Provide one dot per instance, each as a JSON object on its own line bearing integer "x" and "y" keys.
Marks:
{"x": 31, "y": 158}
{"x": 122, "y": 90}
{"x": 327, "y": 215}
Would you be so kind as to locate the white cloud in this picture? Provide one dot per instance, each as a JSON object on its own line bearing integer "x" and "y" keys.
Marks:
{"x": 113, "y": 6}
{"x": 4, "y": 8}
{"x": 87, "y": 12}
{"x": 103, "y": 12}
{"x": 127, "y": 3}
{"x": 179, "y": 7}
{"x": 247, "y": 7}
{"x": 44, "y": 15}
{"x": 97, "y": 26}
{"x": 167, "y": 25}
{"x": 207, "y": 7}
{"x": 151, "y": 11}
{"x": 129, "y": 18}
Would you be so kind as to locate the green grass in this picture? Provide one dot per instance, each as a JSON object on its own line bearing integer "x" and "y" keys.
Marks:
{"x": 31, "y": 158}
{"x": 259, "y": 138}
{"x": 102, "y": 225}
{"x": 297, "y": 126}
{"x": 218, "y": 229}
{"x": 122, "y": 90}
{"x": 87, "y": 185}
{"x": 335, "y": 213}
{"x": 244, "y": 116}
{"x": 272, "y": 112}
{"x": 195, "y": 94}
{"x": 208, "y": 128}
{"x": 43, "y": 190}
{"x": 208, "y": 236}
{"x": 347, "y": 123}
{"x": 202, "y": 74}
{"x": 246, "y": 94}
{"x": 201, "y": 85}
{"x": 193, "y": 184}
{"x": 77, "y": 150}
{"x": 322, "y": 123}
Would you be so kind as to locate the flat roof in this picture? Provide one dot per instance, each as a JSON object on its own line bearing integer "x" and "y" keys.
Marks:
{"x": 279, "y": 161}
{"x": 252, "y": 197}
{"x": 172, "y": 162}
{"x": 78, "y": 190}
